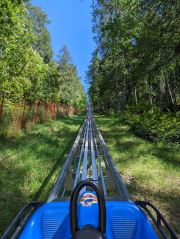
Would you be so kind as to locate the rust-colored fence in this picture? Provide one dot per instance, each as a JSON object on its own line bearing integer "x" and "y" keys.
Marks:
{"x": 16, "y": 116}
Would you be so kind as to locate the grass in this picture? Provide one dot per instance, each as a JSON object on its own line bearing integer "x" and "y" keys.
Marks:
{"x": 30, "y": 163}
{"x": 151, "y": 170}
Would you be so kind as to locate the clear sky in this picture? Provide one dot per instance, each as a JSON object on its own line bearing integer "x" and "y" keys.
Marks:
{"x": 71, "y": 25}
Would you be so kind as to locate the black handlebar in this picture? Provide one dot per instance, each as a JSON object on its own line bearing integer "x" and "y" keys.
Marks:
{"x": 101, "y": 206}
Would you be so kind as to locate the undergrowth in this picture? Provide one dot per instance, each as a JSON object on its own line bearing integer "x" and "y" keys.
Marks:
{"x": 150, "y": 169}
{"x": 153, "y": 124}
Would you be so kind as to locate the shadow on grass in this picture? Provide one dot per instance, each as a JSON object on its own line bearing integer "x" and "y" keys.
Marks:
{"x": 168, "y": 205}
{"x": 57, "y": 164}
{"x": 31, "y": 139}
{"x": 132, "y": 153}
{"x": 168, "y": 155}
{"x": 119, "y": 135}
{"x": 27, "y": 174}
{"x": 12, "y": 196}
{"x": 12, "y": 142}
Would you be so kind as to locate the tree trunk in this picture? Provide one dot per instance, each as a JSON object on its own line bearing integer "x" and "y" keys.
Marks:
{"x": 135, "y": 96}
{"x": 36, "y": 111}
{"x": 23, "y": 113}
{"x": 174, "y": 97}
{"x": 150, "y": 90}
{"x": 169, "y": 93}
{"x": 112, "y": 103}
{"x": 124, "y": 92}
{"x": 117, "y": 94}
{"x": 2, "y": 104}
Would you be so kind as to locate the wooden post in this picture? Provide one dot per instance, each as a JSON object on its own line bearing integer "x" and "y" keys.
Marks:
{"x": 46, "y": 110}
{"x": 36, "y": 111}
{"x": 23, "y": 112}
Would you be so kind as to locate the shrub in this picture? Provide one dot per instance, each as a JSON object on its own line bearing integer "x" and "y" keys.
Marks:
{"x": 153, "y": 124}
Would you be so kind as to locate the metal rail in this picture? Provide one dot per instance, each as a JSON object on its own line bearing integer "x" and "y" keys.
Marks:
{"x": 100, "y": 168}
{"x": 158, "y": 220}
{"x": 20, "y": 220}
{"x": 57, "y": 187}
{"x": 85, "y": 162}
{"x": 94, "y": 169}
{"x": 89, "y": 158}
{"x": 80, "y": 158}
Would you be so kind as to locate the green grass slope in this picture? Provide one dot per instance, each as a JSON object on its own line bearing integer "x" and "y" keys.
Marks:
{"x": 151, "y": 170}
{"x": 35, "y": 160}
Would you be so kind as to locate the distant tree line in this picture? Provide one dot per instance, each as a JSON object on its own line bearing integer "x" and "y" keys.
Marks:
{"x": 136, "y": 61}
{"x": 27, "y": 68}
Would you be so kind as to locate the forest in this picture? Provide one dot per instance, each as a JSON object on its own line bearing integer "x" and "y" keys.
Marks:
{"x": 135, "y": 68}
{"x": 122, "y": 136}
{"x": 33, "y": 85}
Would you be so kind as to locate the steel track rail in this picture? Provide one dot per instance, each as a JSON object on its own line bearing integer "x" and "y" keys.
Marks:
{"x": 89, "y": 151}
{"x": 55, "y": 191}
{"x": 100, "y": 167}
{"x": 80, "y": 159}
{"x": 93, "y": 157}
{"x": 85, "y": 162}
{"x": 119, "y": 181}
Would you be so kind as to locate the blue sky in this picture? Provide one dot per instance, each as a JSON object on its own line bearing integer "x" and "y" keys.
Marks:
{"x": 71, "y": 25}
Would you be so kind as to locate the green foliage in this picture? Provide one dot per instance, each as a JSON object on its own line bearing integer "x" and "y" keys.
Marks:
{"x": 27, "y": 72}
{"x": 153, "y": 124}
{"x": 136, "y": 65}
{"x": 137, "y": 55}
{"x": 71, "y": 90}
{"x": 42, "y": 40}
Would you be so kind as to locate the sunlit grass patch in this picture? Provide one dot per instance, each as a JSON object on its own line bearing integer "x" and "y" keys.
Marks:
{"x": 37, "y": 159}
{"x": 151, "y": 170}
